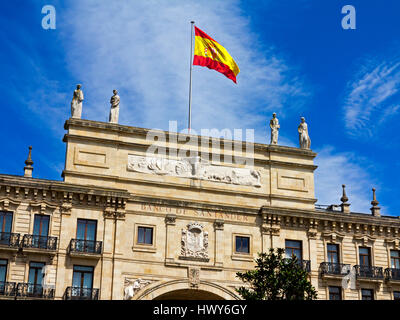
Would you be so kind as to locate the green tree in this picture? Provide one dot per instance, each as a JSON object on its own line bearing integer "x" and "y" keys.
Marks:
{"x": 276, "y": 278}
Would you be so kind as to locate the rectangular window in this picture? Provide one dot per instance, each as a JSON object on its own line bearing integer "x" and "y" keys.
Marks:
{"x": 293, "y": 248}
{"x": 145, "y": 235}
{"x": 86, "y": 230}
{"x": 3, "y": 270}
{"x": 367, "y": 294}
{"x": 335, "y": 293}
{"x": 365, "y": 256}
{"x": 5, "y": 221}
{"x": 242, "y": 244}
{"x": 35, "y": 280}
{"x": 396, "y": 295}
{"x": 333, "y": 253}
{"x": 82, "y": 282}
{"x": 40, "y": 231}
{"x": 3, "y": 275}
{"x": 395, "y": 259}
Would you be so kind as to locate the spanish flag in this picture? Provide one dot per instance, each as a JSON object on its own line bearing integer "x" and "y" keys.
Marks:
{"x": 209, "y": 53}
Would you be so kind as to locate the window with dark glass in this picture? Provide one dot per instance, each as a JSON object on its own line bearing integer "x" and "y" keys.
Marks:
{"x": 40, "y": 231}
{"x": 5, "y": 227}
{"x": 395, "y": 259}
{"x": 82, "y": 281}
{"x": 335, "y": 293}
{"x": 367, "y": 294}
{"x": 242, "y": 244}
{"x": 396, "y": 295}
{"x": 86, "y": 235}
{"x": 3, "y": 275}
{"x": 35, "y": 279}
{"x": 3, "y": 270}
{"x": 293, "y": 248}
{"x": 333, "y": 253}
{"x": 365, "y": 256}
{"x": 145, "y": 235}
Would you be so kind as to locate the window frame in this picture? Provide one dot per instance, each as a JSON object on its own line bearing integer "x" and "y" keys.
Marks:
{"x": 144, "y": 235}
{"x": 396, "y": 259}
{"x": 300, "y": 248}
{"x": 339, "y": 293}
{"x": 3, "y": 215}
{"x": 242, "y": 256}
{"x": 248, "y": 244}
{"x": 144, "y": 247}
{"x": 6, "y": 268}
{"x": 329, "y": 252}
{"x": 363, "y": 255}
{"x": 370, "y": 290}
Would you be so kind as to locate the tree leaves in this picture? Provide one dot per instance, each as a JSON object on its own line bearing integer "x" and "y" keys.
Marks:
{"x": 276, "y": 278}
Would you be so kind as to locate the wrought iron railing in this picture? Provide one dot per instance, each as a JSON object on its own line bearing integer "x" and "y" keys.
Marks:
{"x": 7, "y": 289}
{"x": 9, "y": 239}
{"x": 85, "y": 246}
{"x": 39, "y": 242}
{"x": 335, "y": 268}
{"x": 79, "y": 293}
{"x": 304, "y": 264}
{"x": 392, "y": 274}
{"x": 369, "y": 272}
{"x": 31, "y": 290}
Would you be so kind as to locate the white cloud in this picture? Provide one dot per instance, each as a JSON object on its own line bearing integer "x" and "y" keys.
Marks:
{"x": 335, "y": 169}
{"x": 372, "y": 98}
{"x": 142, "y": 49}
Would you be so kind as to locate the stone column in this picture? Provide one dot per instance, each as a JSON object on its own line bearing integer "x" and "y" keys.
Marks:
{"x": 107, "y": 259}
{"x": 219, "y": 243}
{"x": 170, "y": 220}
{"x": 312, "y": 252}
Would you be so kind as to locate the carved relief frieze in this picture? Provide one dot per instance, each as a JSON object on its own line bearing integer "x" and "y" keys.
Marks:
{"x": 194, "y": 277}
{"x": 194, "y": 167}
{"x": 133, "y": 286}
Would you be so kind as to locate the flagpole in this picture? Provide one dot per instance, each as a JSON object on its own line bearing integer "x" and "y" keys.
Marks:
{"x": 190, "y": 80}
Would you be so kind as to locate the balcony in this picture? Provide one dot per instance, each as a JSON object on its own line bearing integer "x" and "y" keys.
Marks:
{"x": 85, "y": 248}
{"x": 7, "y": 289}
{"x": 39, "y": 243}
{"x": 304, "y": 264}
{"x": 29, "y": 290}
{"x": 369, "y": 272}
{"x": 329, "y": 269}
{"x": 392, "y": 274}
{"x": 78, "y": 293}
{"x": 9, "y": 241}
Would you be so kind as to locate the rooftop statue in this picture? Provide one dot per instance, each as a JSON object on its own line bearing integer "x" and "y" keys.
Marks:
{"x": 114, "y": 112}
{"x": 304, "y": 138}
{"x": 274, "y": 125}
{"x": 76, "y": 104}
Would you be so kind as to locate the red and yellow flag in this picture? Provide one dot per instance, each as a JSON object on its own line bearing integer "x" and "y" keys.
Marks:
{"x": 209, "y": 53}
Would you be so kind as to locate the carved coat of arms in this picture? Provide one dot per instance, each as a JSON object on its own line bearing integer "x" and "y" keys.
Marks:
{"x": 194, "y": 242}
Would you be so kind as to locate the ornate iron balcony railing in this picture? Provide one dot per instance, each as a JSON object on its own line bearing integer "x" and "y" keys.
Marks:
{"x": 369, "y": 272}
{"x": 9, "y": 239}
{"x": 31, "y": 290}
{"x": 39, "y": 242}
{"x": 7, "y": 289}
{"x": 335, "y": 268}
{"x": 85, "y": 246}
{"x": 304, "y": 264}
{"x": 78, "y": 293}
{"x": 392, "y": 274}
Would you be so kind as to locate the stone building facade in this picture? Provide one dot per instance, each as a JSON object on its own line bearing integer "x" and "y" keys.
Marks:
{"x": 126, "y": 225}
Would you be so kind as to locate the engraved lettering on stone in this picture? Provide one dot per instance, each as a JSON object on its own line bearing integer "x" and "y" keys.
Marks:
{"x": 194, "y": 241}
{"x": 194, "y": 168}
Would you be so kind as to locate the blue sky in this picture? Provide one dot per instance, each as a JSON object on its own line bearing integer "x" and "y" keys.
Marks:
{"x": 295, "y": 60}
